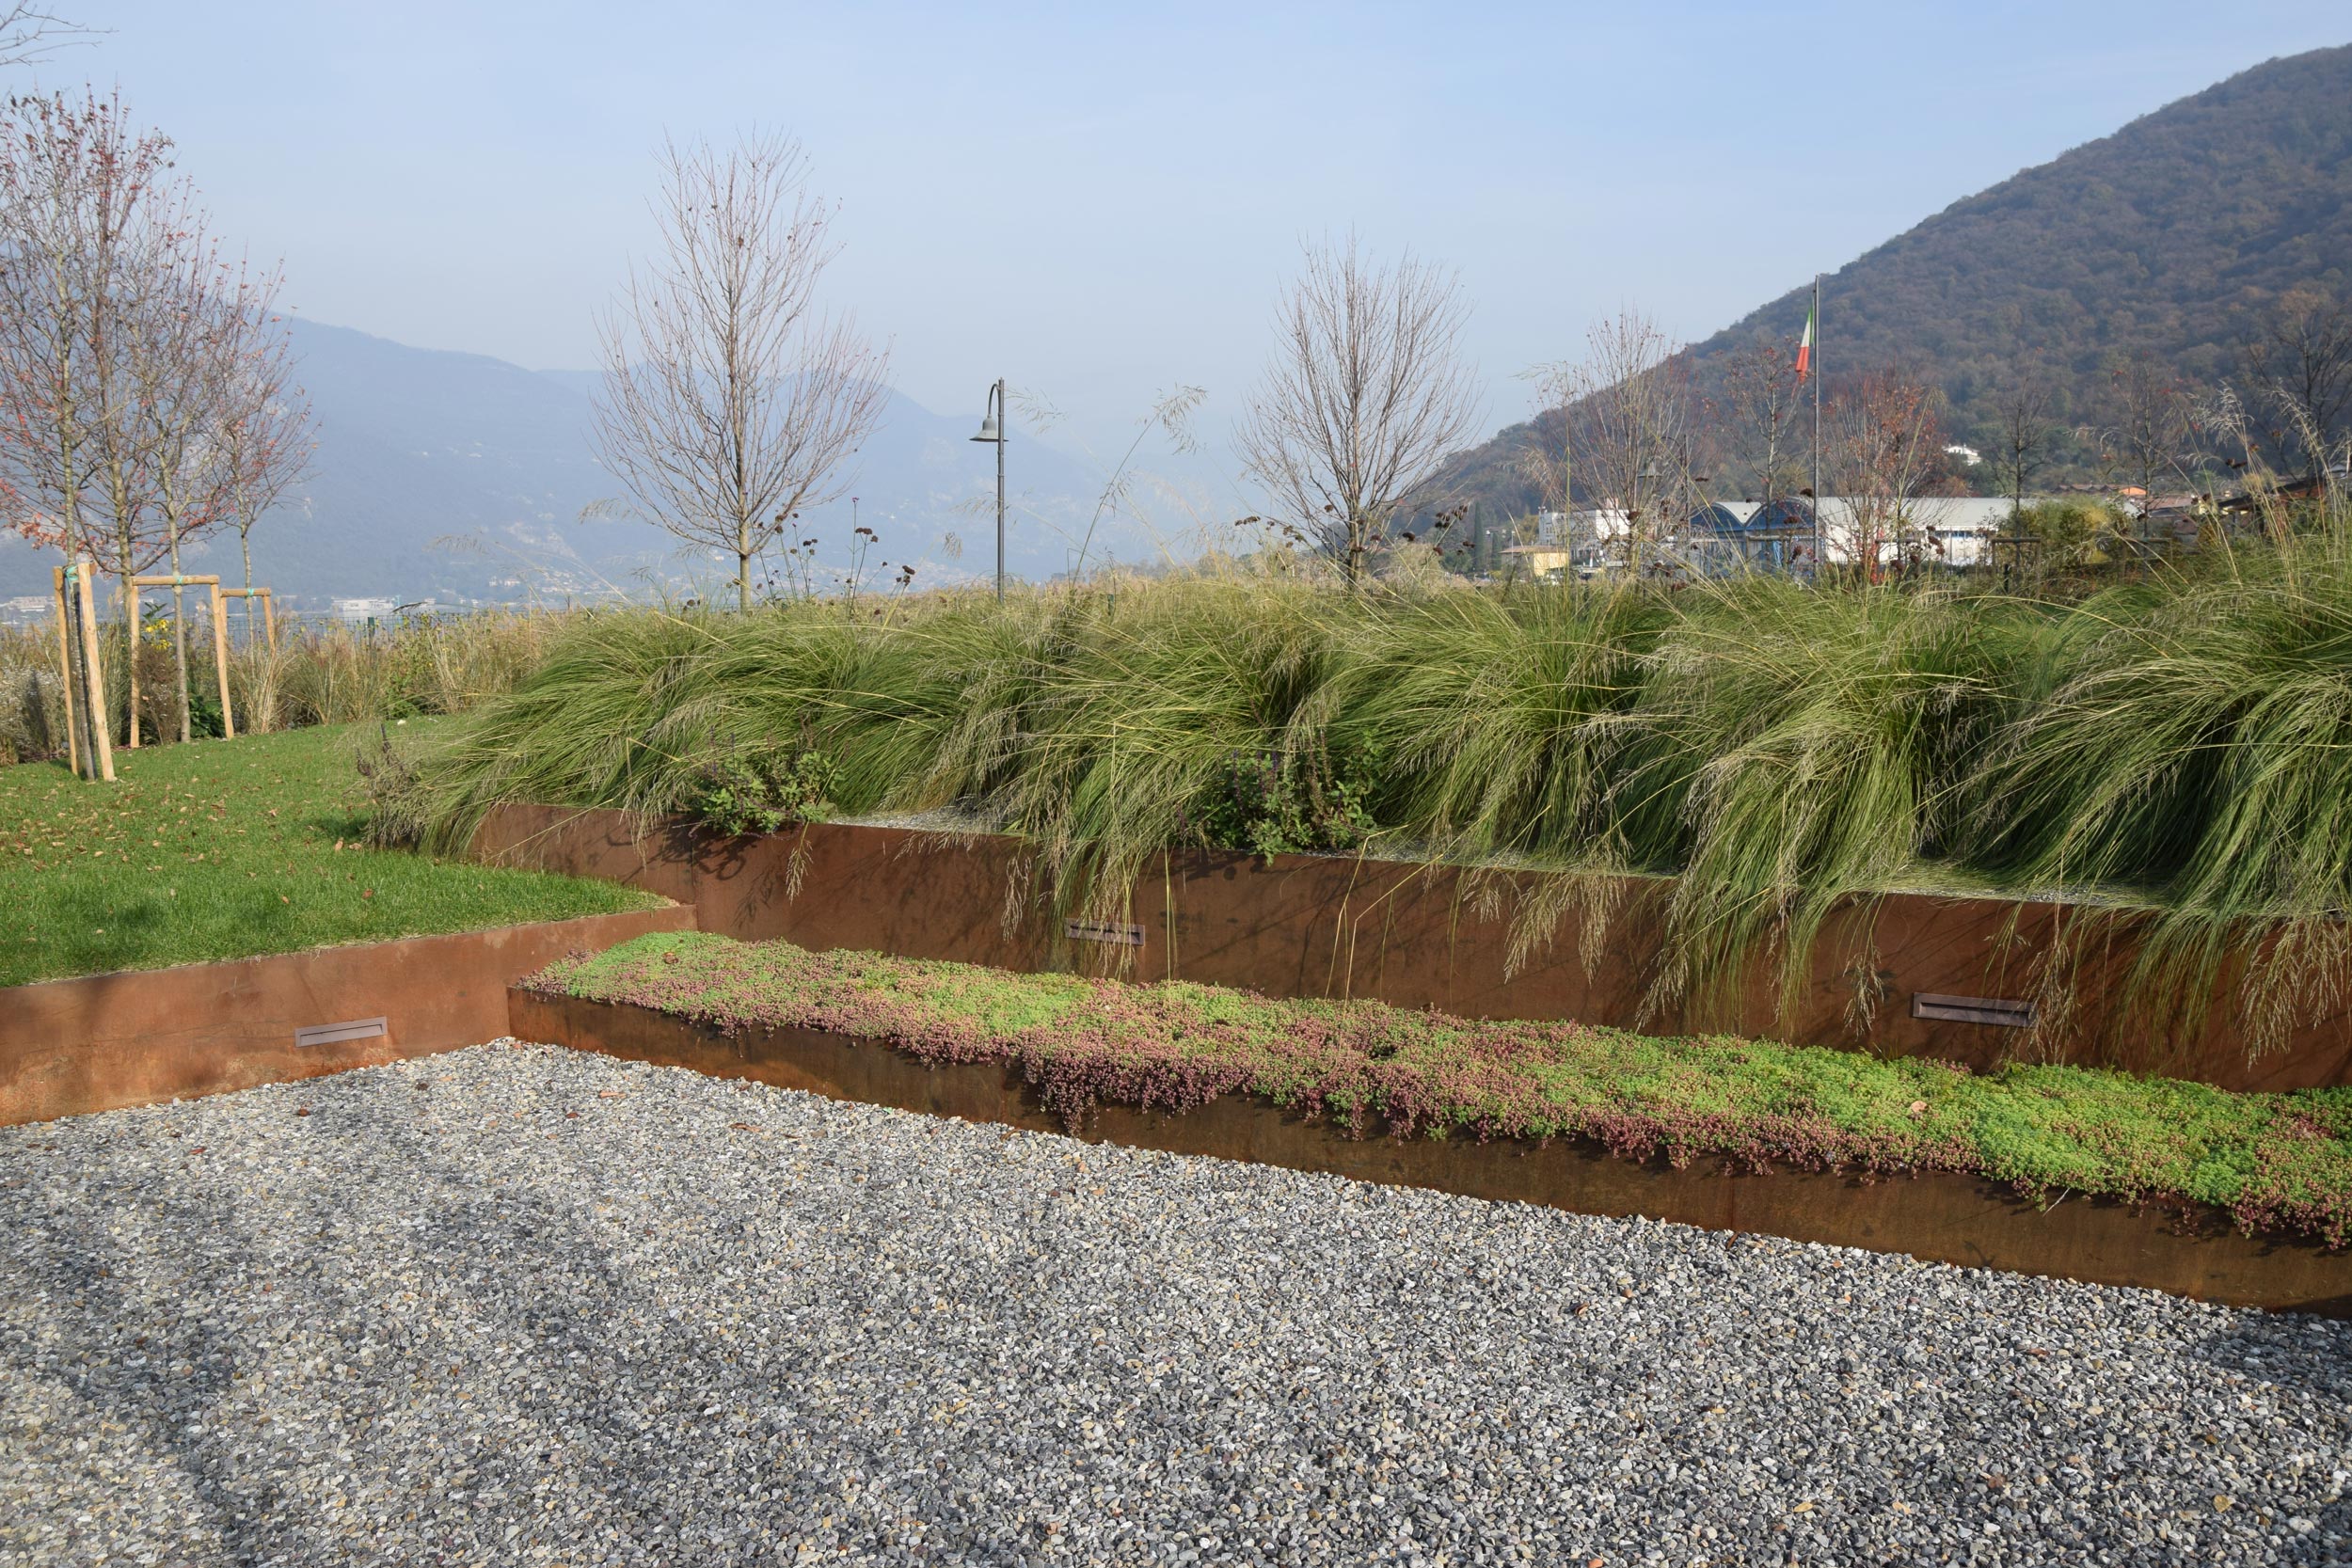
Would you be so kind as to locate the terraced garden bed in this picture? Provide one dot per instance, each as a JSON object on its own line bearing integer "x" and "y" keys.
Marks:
{"x": 2078, "y": 1172}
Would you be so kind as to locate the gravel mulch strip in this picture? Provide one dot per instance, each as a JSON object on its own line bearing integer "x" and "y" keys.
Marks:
{"x": 516, "y": 1305}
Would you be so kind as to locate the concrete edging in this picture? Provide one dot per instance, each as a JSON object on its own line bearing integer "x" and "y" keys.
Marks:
{"x": 1940, "y": 1219}
{"x": 98, "y": 1042}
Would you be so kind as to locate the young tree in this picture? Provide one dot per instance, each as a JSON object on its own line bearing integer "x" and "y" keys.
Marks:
{"x": 1366, "y": 395}
{"x": 2299, "y": 364}
{"x": 1764, "y": 403}
{"x": 207, "y": 363}
{"x": 2150, "y": 423}
{"x": 265, "y": 439}
{"x": 77, "y": 191}
{"x": 2022, "y": 409}
{"x": 1881, "y": 439}
{"x": 729, "y": 404}
{"x": 1628, "y": 413}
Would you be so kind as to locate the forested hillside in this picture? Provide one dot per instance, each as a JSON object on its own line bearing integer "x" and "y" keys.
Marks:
{"x": 2173, "y": 237}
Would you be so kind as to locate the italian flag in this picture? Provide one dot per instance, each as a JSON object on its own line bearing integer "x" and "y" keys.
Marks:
{"x": 1805, "y": 347}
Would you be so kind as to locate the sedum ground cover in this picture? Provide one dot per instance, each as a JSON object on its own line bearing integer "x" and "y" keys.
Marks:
{"x": 228, "y": 849}
{"x": 2275, "y": 1162}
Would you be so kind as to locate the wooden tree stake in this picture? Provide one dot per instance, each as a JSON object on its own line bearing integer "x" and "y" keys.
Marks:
{"x": 220, "y": 658}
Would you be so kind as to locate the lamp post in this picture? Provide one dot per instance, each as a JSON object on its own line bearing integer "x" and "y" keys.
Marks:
{"x": 993, "y": 430}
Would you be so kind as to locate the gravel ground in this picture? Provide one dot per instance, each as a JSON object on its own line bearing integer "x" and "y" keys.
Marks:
{"x": 519, "y": 1305}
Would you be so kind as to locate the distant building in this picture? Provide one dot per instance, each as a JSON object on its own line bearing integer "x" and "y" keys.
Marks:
{"x": 358, "y": 611}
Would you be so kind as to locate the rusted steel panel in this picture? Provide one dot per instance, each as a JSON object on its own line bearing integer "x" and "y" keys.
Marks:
{"x": 138, "y": 1036}
{"x": 1414, "y": 936}
{"x": 1940, "y": 1219}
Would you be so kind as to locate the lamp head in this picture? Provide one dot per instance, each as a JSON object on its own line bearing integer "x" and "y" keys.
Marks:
{"x": 990, "y": 431}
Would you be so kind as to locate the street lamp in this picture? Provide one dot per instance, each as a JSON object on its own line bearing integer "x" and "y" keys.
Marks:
{"x": 993, "y": 430}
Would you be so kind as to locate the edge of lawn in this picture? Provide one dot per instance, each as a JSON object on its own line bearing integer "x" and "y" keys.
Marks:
{"x": 221, "y": 850}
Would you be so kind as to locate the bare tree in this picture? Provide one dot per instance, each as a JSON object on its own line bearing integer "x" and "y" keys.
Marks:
{"x": 2299, "y": 363}
{"x": 207, "y": 363}
{"x": 1764, "y": 402}
{"x": 264, "y": 434}
{"x": 29, "y": 33}
{"x": 1882, "y": 439}
{"x": 1366, "y": 395}
{"x": 1628, "y": 410}
{"x": 729, "y": 403}
{"x": 2150, "y": 423}
{"x": 2022, "y": 409}
{"x": 78, "y": 197}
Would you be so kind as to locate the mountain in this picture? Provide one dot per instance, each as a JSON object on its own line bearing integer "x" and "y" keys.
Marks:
{"x": 461, "y": 479}
{"x": 2171, "y": 236}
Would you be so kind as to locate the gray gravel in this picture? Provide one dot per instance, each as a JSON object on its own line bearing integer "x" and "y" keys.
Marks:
{"x": 519, "y": 1305}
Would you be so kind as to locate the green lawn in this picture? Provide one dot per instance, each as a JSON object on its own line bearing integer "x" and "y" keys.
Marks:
{"x": 226, "y": 849}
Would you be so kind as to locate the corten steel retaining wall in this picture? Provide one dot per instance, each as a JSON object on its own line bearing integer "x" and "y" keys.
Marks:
{"x": 1941, "y": 1218}
{"x": 1411, "y": 936}
{"x": 138, "y": 1036}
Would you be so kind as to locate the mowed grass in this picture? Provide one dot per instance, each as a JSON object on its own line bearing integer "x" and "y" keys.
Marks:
{"x": 227, "y": 850}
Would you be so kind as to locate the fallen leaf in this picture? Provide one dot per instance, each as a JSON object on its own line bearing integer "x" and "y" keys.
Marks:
{"x": 607, "y": 1094}
{"x": 1918, "y": 1107}
{"x": 302, "y": 1110}
{"x": 2220, "y": 1503}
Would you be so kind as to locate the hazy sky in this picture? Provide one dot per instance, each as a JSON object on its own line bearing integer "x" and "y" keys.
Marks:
{"x": 1099, "y": 201}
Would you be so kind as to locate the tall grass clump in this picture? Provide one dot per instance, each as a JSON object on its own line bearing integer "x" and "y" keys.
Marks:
{"x": 431, "y": 664}
{"x": 1793, "y": 750}
{"x": 1495, "y": 718}
{"x": 1139, "y": 719}
{"x": 32, "y": 695}
{"x": 1100, "y": 729}
{"x": 1787, "y": 754}
{"x": 2195, "y": 748}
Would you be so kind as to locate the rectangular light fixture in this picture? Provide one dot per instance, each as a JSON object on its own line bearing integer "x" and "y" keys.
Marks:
{"x": 1115, "y": 932}
{"x": 335, "y": 1033}
{"x": 2001, "y": 1014}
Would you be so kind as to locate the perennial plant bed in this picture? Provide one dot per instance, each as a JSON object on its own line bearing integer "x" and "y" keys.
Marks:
{"x": 2278, "y": 1165}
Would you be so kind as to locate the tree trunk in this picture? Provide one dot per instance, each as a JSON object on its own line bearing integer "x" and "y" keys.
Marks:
{"x": 245, "y": 543}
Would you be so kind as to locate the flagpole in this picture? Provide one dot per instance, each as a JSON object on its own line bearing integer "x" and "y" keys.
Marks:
{"x": 1816, "y": 357}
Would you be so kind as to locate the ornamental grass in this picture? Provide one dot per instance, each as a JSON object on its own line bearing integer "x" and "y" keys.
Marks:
{"x": 2171, "y": 756}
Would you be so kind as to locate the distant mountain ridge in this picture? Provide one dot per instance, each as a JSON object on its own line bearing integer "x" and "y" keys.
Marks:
{"x": 2166, "y": 236}
{"x": 461, "y": 478}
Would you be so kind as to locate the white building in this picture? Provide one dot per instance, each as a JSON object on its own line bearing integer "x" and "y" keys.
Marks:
{"x": 1954, "y": 531}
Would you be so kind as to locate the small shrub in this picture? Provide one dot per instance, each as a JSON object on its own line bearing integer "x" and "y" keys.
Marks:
{"x": 394, "y": 796}
{"x": 739, "y": 796}
{"x": 1281, "y": 803}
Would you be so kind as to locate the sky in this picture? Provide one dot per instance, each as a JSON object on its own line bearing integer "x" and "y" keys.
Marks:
{"x": 1101, "y": 202}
